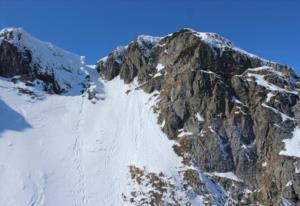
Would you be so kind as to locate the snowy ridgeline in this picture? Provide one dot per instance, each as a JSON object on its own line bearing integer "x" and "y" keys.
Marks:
{"x": 214, "y": 40}
{"x": 69, "y": 70}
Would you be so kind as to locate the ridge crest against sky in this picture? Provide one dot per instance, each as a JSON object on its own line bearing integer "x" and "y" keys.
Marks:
{"x": 269, "y": 29}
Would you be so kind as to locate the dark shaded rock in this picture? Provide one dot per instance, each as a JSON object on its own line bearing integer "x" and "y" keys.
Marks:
{"x": 110, "y": 68}
{"x": 12, "y": 62}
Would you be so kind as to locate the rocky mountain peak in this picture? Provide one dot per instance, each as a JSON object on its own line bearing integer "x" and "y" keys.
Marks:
{"x": 187, "y": 48}
{"x": 230, "y": 110}
{"x": 14, "y": 34}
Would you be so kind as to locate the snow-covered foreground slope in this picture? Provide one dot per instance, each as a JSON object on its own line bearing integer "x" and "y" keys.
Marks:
{"x": 65, "y": 150}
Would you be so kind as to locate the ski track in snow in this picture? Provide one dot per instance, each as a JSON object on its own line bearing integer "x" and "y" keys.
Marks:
{"x": 77, "y": 153}
{"x": 68, "y": 150}
{"x": 80, "y": 190}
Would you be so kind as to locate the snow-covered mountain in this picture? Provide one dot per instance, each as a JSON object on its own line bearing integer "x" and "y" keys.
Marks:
{"x": 26, "y": 57}
{"x": 185, "y": 119}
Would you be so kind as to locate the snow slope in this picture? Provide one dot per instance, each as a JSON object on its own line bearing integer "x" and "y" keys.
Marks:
{"x": 292, "y": 146}
{"x": 76, "y": 149}
{"x": 66, "y": 150}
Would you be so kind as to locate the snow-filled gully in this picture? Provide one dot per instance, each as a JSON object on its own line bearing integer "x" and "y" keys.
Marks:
{"x": 69, "y": 150}
{"x": 80, "y": 190}
{"x": 76, "y": 152}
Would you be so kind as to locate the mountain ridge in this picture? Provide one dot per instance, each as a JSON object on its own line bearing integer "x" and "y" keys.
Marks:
{"x": 240, "y": 98}
{"x": 227, "y": 119}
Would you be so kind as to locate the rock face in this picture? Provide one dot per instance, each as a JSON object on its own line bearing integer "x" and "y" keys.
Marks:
{"x": 234, "y": 108}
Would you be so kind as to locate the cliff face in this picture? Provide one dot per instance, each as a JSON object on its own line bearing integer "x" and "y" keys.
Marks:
{"x": 230, "y": 111}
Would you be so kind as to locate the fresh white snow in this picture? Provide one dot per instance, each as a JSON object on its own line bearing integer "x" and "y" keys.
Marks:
{"x": 183, "y": 133}
{"x": 214, "y": 39}
{"x": 271, "y": 69}
{"x": 264, "y": 164}
{"x": 297, "y": 170}
{"x": 158, "y": 74}
{"x": 227, "y": 175}
{"x": 259, "y": 79}
{"x": 269, "y": 96}
{"x": 67, "y": 150}
{"x": 256, "y": 69}
{"x": 289, "y": 183}
{"x": 148, "y": 40}
{"x": 283, "y": 116}
{"x": 159, "y": 67}
{"x": 292, "y": 146}
{"x": 199, "y": 117}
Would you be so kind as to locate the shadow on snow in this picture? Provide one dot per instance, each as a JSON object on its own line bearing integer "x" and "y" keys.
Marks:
{"x": 11, "y": 119}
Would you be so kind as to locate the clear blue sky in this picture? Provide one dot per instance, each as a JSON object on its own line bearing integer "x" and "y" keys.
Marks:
{"x": 268, "y": 28}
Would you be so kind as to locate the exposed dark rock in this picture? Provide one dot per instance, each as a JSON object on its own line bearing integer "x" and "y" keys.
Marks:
{"x": 14, "y": 62}
{"x": 244, "y": 121}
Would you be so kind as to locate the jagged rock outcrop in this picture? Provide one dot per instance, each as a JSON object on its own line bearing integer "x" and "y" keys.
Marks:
{"x": 235, "y": 109}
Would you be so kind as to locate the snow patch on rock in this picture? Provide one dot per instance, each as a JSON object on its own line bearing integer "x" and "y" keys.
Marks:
{"x": 292, "y": 146}
{"x": 227, "y": 175}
